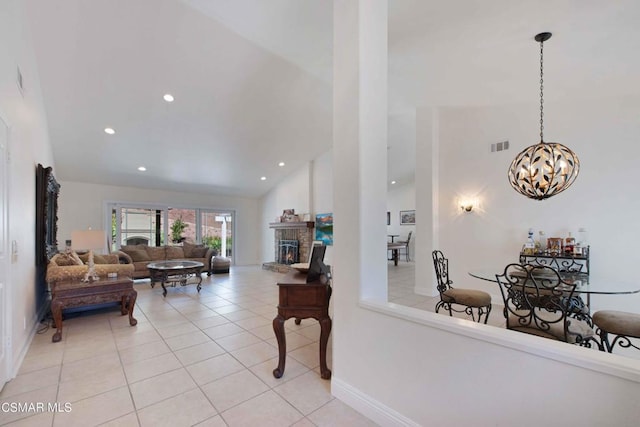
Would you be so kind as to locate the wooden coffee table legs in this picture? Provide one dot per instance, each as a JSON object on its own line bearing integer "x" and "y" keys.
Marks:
{"x": 92, "y": 294}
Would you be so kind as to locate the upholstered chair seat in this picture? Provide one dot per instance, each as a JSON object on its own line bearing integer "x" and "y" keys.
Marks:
{"x": 619, "y": 323}
{"x": 468, "y": 297}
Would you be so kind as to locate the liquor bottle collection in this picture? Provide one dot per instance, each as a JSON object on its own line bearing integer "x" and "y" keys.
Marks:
{"x": 556, "y": 246}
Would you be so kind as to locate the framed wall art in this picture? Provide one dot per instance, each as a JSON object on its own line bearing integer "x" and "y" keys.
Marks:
{"x": 324, "y": 228}
{"x": 407, "y": 217}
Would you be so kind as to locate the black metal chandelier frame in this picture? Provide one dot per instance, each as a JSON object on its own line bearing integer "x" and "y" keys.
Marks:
{"x": 544, "y": 169}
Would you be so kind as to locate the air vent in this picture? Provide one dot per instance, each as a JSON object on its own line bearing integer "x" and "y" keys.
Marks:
{"x": 500, "y": 146}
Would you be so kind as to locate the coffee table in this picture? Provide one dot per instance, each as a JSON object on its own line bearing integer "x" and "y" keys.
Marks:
{"x": 173, "y": 272}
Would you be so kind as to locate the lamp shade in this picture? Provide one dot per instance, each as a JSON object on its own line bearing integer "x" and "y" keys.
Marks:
{"x": 85, "y": 240}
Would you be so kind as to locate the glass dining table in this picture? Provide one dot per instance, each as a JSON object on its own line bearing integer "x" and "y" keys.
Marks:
{"x": 586, "y": 284}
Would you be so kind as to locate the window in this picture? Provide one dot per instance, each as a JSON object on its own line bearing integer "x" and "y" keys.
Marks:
{"x": 164, "y": 225}
{"x": 136, "y": 226}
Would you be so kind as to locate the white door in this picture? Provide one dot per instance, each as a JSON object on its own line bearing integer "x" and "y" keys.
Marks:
{"x": 5, "y": 259}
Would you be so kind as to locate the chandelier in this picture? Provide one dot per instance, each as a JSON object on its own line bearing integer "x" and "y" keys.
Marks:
{"x": 547, "y": 168}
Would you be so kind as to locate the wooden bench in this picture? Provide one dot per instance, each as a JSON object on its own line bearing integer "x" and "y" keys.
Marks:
{"x": 75, "y": 293}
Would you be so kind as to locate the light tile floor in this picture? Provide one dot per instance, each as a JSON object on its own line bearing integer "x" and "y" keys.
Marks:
{"x": 193, "y": 359}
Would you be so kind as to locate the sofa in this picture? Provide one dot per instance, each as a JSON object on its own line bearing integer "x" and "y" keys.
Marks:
{"x": 141, "y": 255}
{"x": 71, "y": 266}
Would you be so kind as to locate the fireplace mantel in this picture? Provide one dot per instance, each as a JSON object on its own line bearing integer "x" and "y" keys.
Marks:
{"x": 296, "y": 224}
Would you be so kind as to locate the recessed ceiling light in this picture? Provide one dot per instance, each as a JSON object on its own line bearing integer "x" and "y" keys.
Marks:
{"x": 263, "y": 178}
{"x": 142, "y": 168}
{"x": 281, "y": 164}
{"x": 110, "y": 131}
{"x": 393, "y": 182}
{"x": 168, "y": 97}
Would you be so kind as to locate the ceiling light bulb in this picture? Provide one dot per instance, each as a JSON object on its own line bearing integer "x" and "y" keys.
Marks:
{"x": 110, "y": 131}
{"x": 263, "y": 178}
{"x": 393, "y": 182}
{"x": 168, "y": 97}
{"x": 142, "y": 168}
{"x": 281, "y": 164}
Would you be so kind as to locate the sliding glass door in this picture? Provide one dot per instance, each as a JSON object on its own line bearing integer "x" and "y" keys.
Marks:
{"x": 216, "y": 231}
{"x": 138, "y": 226}
{"x": 164, "y": 225}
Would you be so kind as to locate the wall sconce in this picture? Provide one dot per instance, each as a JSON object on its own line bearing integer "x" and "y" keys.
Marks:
{"x": 467, "y": 205}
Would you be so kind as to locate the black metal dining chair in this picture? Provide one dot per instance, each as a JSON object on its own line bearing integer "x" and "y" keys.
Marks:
{"x": 623, "y": 326}
{"x": 406, "y": 246}
{"x": 451, "y": 298}
{"x": 538, "y": 301}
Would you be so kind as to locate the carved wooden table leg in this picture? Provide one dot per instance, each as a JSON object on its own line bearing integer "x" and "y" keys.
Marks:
{"x": 56, "y": 310}
{"x": 123, "y": 305}
{"x": 133, "y": 295}
{"x": 278, "y": 328}
{"x": 325, "y": 330}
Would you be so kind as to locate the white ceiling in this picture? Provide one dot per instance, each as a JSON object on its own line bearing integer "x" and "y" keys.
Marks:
{"x": 252, "y": 79}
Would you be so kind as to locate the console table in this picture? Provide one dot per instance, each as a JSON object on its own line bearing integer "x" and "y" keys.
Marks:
{"x": 74, "y": 293}
{"x": 302, "y": 300}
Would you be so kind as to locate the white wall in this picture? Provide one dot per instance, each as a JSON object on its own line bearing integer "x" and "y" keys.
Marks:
{"x": 306, "y": 190}
{"x": 28, "y": 146}
{"x": 82, "y": 205}
{"x": 604, "y": 198}
{"x": 403, "y": 366}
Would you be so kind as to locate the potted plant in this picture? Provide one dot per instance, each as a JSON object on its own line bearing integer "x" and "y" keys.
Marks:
{"x": 177, "y": 228}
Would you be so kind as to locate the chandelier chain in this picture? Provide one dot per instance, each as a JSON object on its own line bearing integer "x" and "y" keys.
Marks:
{"x": 541, "y": 92}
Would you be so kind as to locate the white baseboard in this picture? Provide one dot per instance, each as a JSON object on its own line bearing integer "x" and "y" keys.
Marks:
{"x": 370, "y": 408}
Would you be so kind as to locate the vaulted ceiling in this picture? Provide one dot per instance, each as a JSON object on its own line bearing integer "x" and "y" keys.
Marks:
{"x": 252, "y": 79}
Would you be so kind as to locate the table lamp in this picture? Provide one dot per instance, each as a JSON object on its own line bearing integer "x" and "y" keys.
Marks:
{"x": 88, "y": 240}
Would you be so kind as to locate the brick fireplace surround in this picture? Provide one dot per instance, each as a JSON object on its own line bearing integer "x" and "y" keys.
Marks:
{"x": 302, "y": 231}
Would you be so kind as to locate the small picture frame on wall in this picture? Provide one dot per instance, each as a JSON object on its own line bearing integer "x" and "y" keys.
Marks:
{"x": 408, "y": 217}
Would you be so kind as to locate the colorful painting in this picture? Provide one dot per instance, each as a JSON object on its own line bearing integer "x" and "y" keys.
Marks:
{"x": 324, "y": 228}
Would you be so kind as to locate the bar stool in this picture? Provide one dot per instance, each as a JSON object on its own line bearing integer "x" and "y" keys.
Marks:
{"x": 619, "y": 323}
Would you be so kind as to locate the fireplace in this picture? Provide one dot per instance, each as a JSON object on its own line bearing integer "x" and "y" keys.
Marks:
{"x": 292, "y": 244}
{"x": 288, "y": 252}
